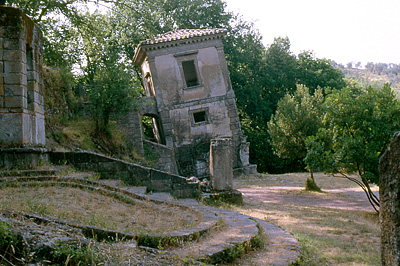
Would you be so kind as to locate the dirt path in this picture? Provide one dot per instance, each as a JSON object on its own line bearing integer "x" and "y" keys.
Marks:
{"x": 292, "y": 193}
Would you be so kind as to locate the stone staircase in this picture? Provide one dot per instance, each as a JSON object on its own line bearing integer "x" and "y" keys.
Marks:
{"x": 221, "y": 236}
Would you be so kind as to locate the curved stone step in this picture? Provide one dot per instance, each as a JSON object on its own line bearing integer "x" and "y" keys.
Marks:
{"x": 282, "y": 248}
{"x": 209, "y": 221}
{"x": 224, "y": 234}
{"x": 226, "y": 244}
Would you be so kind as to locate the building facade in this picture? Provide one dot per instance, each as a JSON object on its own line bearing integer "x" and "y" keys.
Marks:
{"x": 21, "y": 83}
{"x": 185, "y": 73}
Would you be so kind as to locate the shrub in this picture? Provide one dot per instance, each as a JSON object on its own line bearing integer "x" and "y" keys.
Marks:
{"x": 11, "y": 245}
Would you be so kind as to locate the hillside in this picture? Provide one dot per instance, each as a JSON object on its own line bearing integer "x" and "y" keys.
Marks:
{"x": 374, "y": 77}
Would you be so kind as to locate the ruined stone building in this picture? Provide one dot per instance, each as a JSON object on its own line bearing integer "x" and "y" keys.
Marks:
{"x": 21, "y": 83}
{"x": 190, "y": 98}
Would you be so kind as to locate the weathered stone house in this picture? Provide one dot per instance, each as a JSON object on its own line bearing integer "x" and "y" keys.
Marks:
{"x": 188, "y": 88}
{"x": 21, "y": 82}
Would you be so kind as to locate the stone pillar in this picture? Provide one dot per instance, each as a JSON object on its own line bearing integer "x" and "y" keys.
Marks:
{"x": 221, "y": 170}
{"x": 21, "y": 81}
{"x": 389, "y": 193}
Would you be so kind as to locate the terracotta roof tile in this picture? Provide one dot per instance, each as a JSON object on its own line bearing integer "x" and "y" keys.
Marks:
{"x": 181, "y": 35}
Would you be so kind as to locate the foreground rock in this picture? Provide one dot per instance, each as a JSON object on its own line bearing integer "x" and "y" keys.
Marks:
{"x": 389, "y": 170}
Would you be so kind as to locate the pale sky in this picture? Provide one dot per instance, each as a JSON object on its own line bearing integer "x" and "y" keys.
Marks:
{"x": 341, "y": 30}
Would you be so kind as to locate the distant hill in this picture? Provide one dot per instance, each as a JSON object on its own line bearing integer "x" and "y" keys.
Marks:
{"x": 375, "y": 74}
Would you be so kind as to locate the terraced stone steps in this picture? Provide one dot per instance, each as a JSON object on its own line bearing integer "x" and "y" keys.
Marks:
{"x": 224, "y": 244}
{"x": 220, "y": 237}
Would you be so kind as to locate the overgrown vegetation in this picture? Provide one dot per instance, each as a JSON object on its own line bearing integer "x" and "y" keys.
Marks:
{"x": 12, "y": 249}
{"x": 91, "y": 208}
{"x": 342, "y": 132}
{"x": 67, "y": 254}
{"x": 104, "y": 74}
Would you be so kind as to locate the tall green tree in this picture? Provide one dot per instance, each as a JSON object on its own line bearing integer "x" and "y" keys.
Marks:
{"x": 318, "y": 73}
{"x": 281, "y": 69}
{"x": 357, "y": 128}
{"x": 298, "y": 116}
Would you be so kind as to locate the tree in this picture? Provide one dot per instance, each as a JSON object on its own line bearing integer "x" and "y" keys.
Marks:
{"x": 137, "y": 20}
{"x": 318, "y": 73}
{"x": 357, "y": 127}
{"x": 349, "y": 65}
{"x": 281, "y": 67}
{"x": 297, "y": 117}
{"x": 107, "y": 77}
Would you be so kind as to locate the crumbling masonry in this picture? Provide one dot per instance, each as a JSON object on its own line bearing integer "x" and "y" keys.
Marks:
{"x": 190, "y": 98}
{"x": 21, "y": 85}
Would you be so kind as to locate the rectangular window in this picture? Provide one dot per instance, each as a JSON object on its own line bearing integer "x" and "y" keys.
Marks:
{"x": 189, "y": 70}
{"x": 200, "y": 117}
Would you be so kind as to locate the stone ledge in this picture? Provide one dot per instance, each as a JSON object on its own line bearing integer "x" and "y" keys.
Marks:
{"x": 190, "y": 234}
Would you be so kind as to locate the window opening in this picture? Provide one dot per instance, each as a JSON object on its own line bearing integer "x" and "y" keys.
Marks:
{"x": 200, "y": 117}
{"x": 149, "y": 84}
{"x": 189, "y": 70}
{"x": 30, "y": 75}
{"x": 150, "y": 127}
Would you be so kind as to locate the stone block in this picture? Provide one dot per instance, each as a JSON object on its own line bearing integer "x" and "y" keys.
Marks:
{"x": 237, "y": 132}
{"x": 12, "y": 133}
{"x": 32, "y": 76}
{"x": 231, "y": 102}
{"x": 1, "y": 90}
{"x": 33, "y": 86}
{"x": 140, "y": 173}
{"x": 167, "y": 126}
{"x": 234, "y": 126}
{"x": 14, "y": 55}
{"x": 161, "y": 185}
{"x": 15, "y": 102}
{"x": 14, "y": 44}
{"x": 15, "y": 79}
{"x": 14, "y": 67}
{"x": 232, "y": 114}
{"x": 14, "y": 90}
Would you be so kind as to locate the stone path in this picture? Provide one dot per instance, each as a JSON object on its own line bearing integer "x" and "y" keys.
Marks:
{"x": 281, "y": 249}
{"x": 223, "y": 233}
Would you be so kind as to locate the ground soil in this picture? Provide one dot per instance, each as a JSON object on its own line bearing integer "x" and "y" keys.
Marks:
{"x": 282, "y": 189}
{"x": 340, "y": 215}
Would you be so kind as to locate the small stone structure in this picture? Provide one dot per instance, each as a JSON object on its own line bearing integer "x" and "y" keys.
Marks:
{"x": 389, "y": 193}
{"x": 21, "y": 84}
{"x": 185, "y": 75}
{"x": 221, "y": 170}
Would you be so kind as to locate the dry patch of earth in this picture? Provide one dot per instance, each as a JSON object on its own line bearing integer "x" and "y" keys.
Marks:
{"x": 336, "y": 227}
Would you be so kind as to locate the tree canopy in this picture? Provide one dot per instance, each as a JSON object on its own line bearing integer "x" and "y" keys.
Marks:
{"x": 99, "y": 47}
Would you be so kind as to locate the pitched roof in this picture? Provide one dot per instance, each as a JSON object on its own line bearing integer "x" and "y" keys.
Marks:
{"x": 182, "y": 34}
{"x": 174, "y": 38}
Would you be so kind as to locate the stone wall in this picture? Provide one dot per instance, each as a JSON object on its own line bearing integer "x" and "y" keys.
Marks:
{"x": 131, "y": 124}
{"x": 21, "y": 82}
{"x": 165, "y": 157}
{"x": 133, "y": 174}
{"x": 22, "y": 158}
{"x": 389, "y": 194}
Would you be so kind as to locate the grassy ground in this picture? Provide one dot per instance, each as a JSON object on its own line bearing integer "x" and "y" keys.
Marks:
{"x": 95, "y": 209}
{"x": 328, "y": 235}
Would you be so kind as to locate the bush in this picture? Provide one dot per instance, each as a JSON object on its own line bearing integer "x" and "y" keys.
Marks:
{"x": 67, "y": 254}
{"x": 11, "y": 245}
